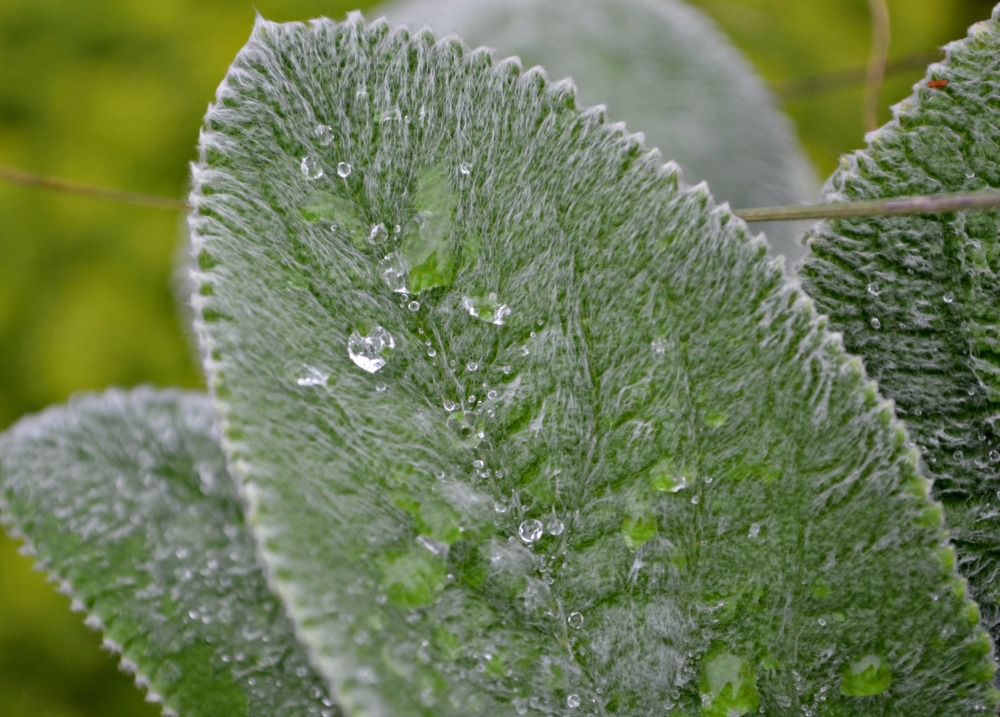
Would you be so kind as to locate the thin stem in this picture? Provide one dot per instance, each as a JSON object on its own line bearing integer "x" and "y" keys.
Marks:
{"x": 801, "y": 87}
{"x": 926, "y": 204}
{"x": 877, "y": 59}
{"x": 69, "y": 186}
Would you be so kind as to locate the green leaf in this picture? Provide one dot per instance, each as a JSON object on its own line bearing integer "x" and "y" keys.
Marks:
{"x": 662, "y": 67}
{"x": 612, "y": 447}
{"x": 125, "y": 501}
{"x": 919, "y": 296}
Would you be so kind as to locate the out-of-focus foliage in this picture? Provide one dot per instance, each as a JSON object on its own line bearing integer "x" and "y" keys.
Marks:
{"x": 793, "y": 40}
{"x": 112, "y": 92}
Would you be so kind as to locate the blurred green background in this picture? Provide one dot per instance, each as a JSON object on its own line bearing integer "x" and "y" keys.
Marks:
{"x": 112, "y": 92}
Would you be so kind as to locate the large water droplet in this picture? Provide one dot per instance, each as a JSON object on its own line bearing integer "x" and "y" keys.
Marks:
{"x": 465, "y": 168}
{"x": 366, "y": 351}
{"x": 344, "y": 170}
{"x": 486, "y": 308}
{"x": 323, "y": 134}
{"x": 311, "y": 168}
{"x": 555, "y": 527}
{"x": 873, "y": 289}
{"x": 754, "y": 531}
{"x": 530, "y": 530}
{"x": 948, "y": 298}
{"x": 575, "y": 620}
{"x": 875, "y": 323}
{"x": 393, "y": 270}
{"x": 573, "y": 701}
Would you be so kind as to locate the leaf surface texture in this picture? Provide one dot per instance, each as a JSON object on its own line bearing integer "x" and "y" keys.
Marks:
{"x": 526, "y": 424}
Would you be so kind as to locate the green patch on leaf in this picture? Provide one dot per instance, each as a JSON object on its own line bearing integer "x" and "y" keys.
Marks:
{"x": 637, "y": 530}
{"x": 413, "y": 577}
{"x": 728, "y": 686}
{"x": 865, "y": 677}
{"x": 428, "y": 246}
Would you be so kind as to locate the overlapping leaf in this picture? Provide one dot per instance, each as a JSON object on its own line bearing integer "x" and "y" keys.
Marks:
{"x": 919, "y": 297}
{"x": 662, "y": 67}
{"x": 125, "y": 501}
{"x": 525, "y": 425}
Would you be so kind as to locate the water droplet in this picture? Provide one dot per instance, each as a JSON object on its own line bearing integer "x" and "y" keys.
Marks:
{"x": 555, "y": 527}
{"x": 994, "y": 456}
{"x": 413, "y": 306}
{"x": 695, "y": 500}
{"x": 575, "y": 620}
{"x": 822, "y": 622}
{"x": 488, "y": 308}
{"x": 366, "y": 351}
{"x": 431, "y": 351}
{"x": 500, "y": 507}
{"x": 875, "y": 323}
{"x": 970, "y": 175}
{"x": 465, "y": 168}
{"x": 379, "y": 233}
{"x": 754, "y": 531}
{"x": 380, "y": 387}
{"x": 530, "y": 530}
{"x": 393, "y": 270}
{"x": 873, "y": 289}
{"x": 311, "y": 168}
{"x": 312, "y": 376}
{"x": 344, "y": 170}
{"x": 948, "y": 298}
{"x": 658, "y": 347}
{"x": 573, "y": 701}
{"x": 471, "y": 366}
{"x": 450, "y": 406}
{"x": 323, "y": 134}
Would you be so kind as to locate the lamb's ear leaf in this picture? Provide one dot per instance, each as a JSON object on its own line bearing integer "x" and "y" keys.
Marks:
{"x": 919, "y": 296}
{"x": 608, "y": 457}
{"x": 125, "y": 502}
{"x": 663, "y": 67}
